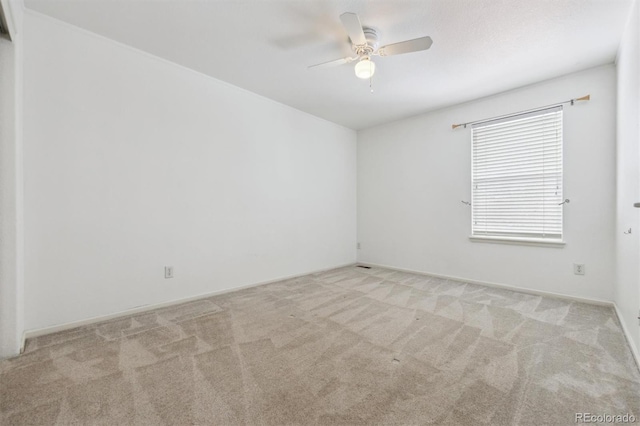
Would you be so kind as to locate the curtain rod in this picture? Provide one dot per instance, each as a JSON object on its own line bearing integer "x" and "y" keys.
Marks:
{"x": 570, "y": 101}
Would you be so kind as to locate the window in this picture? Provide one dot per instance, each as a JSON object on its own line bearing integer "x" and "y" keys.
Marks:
{"x": 517, "y": 177}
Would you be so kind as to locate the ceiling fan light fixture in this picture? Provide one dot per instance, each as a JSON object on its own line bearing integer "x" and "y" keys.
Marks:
{"x": 365, "y": 68}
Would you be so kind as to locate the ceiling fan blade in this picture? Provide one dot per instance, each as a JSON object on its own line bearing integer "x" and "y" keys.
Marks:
{"x": 353, "y": 26}
{"x": 333, "y": 63}
{"x": 415, "y": 45}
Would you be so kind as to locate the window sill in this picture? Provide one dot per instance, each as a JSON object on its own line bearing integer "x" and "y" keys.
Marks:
{"x": 518, "y": 241}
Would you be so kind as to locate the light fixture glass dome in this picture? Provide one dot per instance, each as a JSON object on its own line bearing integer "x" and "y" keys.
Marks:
{"x": 365, "y": 68}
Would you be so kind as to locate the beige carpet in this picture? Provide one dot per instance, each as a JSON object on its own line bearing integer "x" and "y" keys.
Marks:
{"x": 348, "y": 346}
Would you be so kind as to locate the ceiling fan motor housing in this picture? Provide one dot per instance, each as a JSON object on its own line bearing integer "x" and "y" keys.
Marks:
{"x": 371, "y": 35}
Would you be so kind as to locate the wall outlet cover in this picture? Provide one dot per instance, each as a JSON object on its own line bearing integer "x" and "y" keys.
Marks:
{"x": 168, "y": 271}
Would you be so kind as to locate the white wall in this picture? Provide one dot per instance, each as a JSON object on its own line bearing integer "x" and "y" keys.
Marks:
{"x": 133, "y": 163}
{"x": 11, "y": 281}
{"x": 627, "y": 289}
{"x": 412, "y": 175}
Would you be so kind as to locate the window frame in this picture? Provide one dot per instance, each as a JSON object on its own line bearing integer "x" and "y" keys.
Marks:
{"x": 533, "y": 240}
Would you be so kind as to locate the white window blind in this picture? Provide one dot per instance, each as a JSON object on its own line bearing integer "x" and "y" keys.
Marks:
{"x": 517, "y": 176}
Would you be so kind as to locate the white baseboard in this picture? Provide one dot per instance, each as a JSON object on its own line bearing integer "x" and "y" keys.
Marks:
{"x": 627, "y": 335}
{"x": 88, "y": 321}
{"x": 505, "y": 286}
{"x": 67, "y": 326}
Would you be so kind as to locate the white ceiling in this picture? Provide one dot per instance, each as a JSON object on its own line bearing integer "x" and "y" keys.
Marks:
{"x": 480, "y": 47}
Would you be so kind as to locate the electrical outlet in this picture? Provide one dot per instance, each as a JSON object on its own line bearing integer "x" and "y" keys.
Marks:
{"x": 168, "y": 271}
{"x": 578, "y": 268}
{"x": 358, "y": 246}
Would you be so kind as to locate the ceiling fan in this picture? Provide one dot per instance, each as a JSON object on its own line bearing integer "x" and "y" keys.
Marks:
{"x": 364, "y": 42}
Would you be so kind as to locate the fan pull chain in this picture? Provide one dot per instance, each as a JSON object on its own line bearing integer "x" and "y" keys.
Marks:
{"x": 370, "y": 83}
